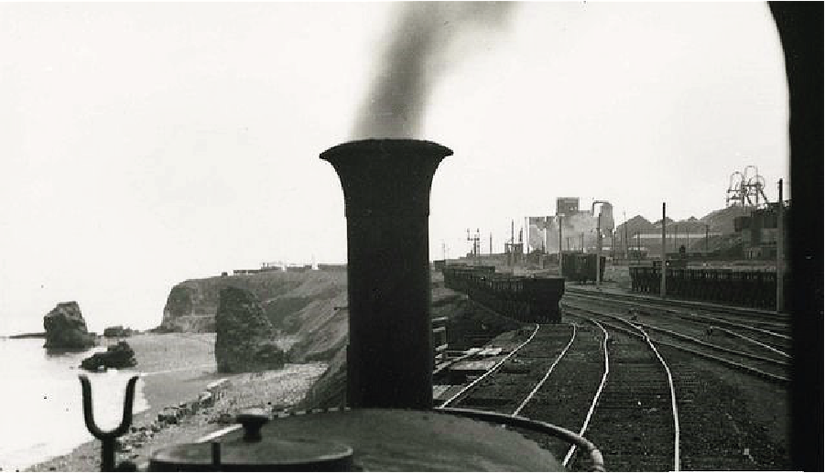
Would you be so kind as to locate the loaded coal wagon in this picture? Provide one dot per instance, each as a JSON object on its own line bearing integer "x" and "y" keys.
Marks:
{"x": 527, "y": 299}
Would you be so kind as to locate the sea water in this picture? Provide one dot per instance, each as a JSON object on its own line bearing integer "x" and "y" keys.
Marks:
{"x": 41, "y": 409}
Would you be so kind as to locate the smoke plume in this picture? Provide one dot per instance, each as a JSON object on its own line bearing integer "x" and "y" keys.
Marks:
{"x": 420, "y": 48}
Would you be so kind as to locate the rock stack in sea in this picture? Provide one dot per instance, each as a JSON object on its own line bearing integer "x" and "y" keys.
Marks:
{"x": 245, "y": 337}
{"x": 118, "y": 331}
{"x": 115, "y": 356}
{"x": 66, "y": 329}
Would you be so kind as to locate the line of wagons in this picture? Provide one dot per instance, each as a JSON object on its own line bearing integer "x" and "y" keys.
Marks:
{"x": 524, "y": 298}
{"x": 749, "y": 288}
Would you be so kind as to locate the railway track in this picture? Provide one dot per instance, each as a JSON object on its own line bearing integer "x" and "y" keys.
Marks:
{"x": 635, "y": 422}
{"x": 550, "y": 372}
{"x": 717, "y": 431}
{"x": 640, "y": 401}
{"x": 566, "y": 376}
{"x": 774, "y": 369}
{"x": 748, "y": 316}
{"x": 711, "y": 331}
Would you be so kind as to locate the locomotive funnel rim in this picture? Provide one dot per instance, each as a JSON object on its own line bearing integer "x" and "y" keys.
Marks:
{"x": 387, "y": 147}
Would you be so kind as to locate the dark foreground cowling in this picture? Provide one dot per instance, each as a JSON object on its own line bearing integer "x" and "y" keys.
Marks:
{"x": 361, "y": 440}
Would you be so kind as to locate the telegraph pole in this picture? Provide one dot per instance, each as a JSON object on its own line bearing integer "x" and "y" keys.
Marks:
{"x": 598, "y": 248}
{"x": 613, "y": 245}
{"x": 707, "y": 237}
{"x": 511, "y": 256}
{"x": 560, "y": 240}
{"x": 780, "y": 253}
{"x": 675, "y": 237}
{"x": 626, "y": 254}
{"x": 663, "y": 291}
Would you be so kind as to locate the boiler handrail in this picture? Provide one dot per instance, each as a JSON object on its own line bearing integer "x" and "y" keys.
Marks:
{"x": 536, "y": 425}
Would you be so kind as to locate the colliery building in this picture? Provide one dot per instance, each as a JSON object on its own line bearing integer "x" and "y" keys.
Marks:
{"x": 759, "y": 231}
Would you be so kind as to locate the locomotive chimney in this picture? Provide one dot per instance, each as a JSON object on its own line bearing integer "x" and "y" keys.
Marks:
{"x": 386, "y": 187}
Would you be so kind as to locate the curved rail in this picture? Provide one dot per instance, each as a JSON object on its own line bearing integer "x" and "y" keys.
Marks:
{"x": 736, "y": 311}
{"x": 490, "y": 371}
{"x": 751, "y": 340}
{"x": 596, "y": 457}
{"x": 613, "y": 299}
{"x": 514, "y": 419}
{"x": 638, "y": 332}
{"x": 546, "y": 375}
{"x": 708, "y": 318}
{"x": 732, "y": 364}
{"x": 674, "y": 408}
{"x": 713, "y": 346}
{"x": 587, "y": 418}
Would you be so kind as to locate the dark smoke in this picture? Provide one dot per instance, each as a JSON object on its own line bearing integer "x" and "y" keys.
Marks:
{"x": 417, "y": 54}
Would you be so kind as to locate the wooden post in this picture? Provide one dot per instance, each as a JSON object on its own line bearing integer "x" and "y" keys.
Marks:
{"x": 707, "y": 237}
{"x": 568, "y": 245}
{"x": 598, "y": 248}
{"x": 663, "y": 289}
{"x": 780, "y": 253}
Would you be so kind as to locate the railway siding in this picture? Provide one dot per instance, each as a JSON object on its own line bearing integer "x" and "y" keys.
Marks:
{"x": 714, "y": 330}
{"x": 729, "y": 419}
{"x": 565, "y": 397}
{"x": 633, "y": 424}
{"x": 697, "y": 339}
{"x": 729, "y": 415}
{"x": 721, "y": 429}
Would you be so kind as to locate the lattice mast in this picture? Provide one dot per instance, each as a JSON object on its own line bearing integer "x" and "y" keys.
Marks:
{"x": 746, "y": 189}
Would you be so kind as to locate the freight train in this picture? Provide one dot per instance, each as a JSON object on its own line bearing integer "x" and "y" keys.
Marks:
{"x": 747, "y": 288}
{"x": 581, "y": 267}
{"x": 524, "y": 298}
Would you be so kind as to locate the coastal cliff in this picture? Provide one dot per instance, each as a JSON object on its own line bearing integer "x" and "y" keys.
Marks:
{"x": 288, "y": 299}
{"x": 310, "y": 309}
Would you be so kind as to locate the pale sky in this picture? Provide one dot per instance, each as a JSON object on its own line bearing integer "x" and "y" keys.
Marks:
{"x": 144, "y": 144}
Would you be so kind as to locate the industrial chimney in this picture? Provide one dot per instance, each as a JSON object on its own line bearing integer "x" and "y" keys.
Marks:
{"x": 387, "y": 196}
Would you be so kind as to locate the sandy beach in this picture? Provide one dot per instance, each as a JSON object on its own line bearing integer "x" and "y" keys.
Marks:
{"x": 177, "y": 368}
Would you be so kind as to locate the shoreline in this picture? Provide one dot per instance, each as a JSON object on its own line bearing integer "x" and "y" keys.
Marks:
{"x": 178, "y": 370}
{"x": 23, "y": 336}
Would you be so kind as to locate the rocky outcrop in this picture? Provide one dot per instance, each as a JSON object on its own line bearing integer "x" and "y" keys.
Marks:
{"x": 468, "y": 325}
{"x": 245, "y": 337}
{"x": 116, "y": 356}
{"x": 66, "y": 329}
{"x": 118, "y": 332}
